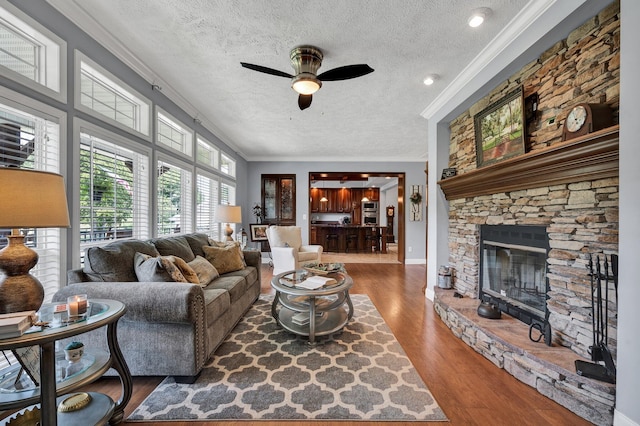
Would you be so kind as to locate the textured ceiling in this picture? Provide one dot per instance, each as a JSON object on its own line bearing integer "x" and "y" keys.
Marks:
{"x": 194, "y": 47}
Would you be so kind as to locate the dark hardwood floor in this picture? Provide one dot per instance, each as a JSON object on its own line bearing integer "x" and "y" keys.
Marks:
{"x": 469, "y": 388}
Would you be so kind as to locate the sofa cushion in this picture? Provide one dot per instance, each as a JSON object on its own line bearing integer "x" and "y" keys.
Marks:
{"x": 235, "y": 285}
{"x": 224, "y": 259}
{"x": 196, "y": 241}
{"x": 174, "y": 246}
{"x": 249, "y": 273}
{"x": 114, "y": 262}
{"x": 204, "y": 269}
{"x": 163, "y": 268}
{"x": 216, "y": 302}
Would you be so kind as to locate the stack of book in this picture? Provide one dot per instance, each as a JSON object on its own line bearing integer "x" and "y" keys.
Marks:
{"x": 303, "y": 318}
{"x": 16, "y": 323}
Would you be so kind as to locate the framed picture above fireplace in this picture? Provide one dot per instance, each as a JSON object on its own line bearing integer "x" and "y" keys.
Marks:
{"x": 499, "y": 129}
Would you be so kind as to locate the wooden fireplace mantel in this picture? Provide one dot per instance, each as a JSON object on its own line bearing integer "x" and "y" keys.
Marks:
{"x": 590, "y": 157}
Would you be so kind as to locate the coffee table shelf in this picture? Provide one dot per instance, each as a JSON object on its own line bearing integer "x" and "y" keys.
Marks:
{"x": 328, "y": 308}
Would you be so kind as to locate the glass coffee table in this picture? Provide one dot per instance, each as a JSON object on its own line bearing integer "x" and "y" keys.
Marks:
{"x": 311, "y": 312}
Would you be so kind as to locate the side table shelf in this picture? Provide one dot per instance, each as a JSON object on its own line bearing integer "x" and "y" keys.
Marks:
{"x": 102, "y": 409}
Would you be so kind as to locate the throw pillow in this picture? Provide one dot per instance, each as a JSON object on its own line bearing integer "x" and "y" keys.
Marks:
{"x": 224, "y": 259}
{"x": 204, "y": 269}
{"x": 174, "y": 246}
{"x": 223, "y": 244}
{"x": 163, "y": 268}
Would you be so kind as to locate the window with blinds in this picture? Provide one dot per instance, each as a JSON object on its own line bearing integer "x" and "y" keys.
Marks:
{"x": 106, "y": 97}
{"x": 174, "y": 199}
{"x": 173, "y": 134}
{"x": 207, "y": 190}
{"x": 114, "y": 189}
{"x": 29, "y": 141}
{"x": 228, "y": 196}
{"x": 206, "y": 153}
{"x": 30, "y": 53}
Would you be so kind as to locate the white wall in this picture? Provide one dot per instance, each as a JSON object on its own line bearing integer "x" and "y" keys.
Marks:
{"x": 414, "y": 173}
{"x": 627, "y": 399}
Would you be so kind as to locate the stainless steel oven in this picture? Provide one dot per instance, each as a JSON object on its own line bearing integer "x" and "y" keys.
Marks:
{"x": 369, "y": 218}
{"x": 370, "y": 206}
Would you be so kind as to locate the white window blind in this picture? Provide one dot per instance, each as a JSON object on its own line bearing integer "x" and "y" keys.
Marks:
{"x": 114, "y": 190}
{"x": 31, "y": 142}
{"x": 227, "y": 196}
{"x": 207, "y": 189}
{"x": 173, "y": 134}
{"x": 174, "y": 199}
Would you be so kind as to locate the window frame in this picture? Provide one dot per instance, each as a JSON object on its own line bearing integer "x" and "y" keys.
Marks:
{"x": 55, "y": 54}
{"x": 82, "y": 126}
{"x": 190, "y": 215}
{"x": 231, "y": 160}
{"x": 188, "y": 131}
{"x": 47, "y": 112}
{"x": 144, "y": 104}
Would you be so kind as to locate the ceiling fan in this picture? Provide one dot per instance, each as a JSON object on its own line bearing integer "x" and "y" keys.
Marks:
{"x": 306, "y": 60}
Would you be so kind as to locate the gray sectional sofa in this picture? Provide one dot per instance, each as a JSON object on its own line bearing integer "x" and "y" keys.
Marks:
{"x": 170, "y": 328}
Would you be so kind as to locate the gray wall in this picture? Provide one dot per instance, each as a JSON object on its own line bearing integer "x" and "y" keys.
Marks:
{"x": 414, "y": 173}
{"x": 627, "y": 408}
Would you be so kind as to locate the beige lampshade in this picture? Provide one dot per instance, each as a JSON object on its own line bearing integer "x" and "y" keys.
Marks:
{"x": 228, "y": 214}
{"x": 32, "y": 199}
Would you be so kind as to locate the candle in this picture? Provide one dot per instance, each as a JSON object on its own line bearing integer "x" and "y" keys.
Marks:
{"x": 77, "y": 305}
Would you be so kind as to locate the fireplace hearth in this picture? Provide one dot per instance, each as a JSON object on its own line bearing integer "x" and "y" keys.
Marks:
{"x": 513, "y": 271}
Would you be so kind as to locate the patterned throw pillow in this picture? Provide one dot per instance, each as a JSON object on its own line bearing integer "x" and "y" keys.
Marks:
{"x": 223, "y": 244}
{"x": 225, "y": 259}
{"x": 204, "y": 269}
{"x": 163, "y": 268}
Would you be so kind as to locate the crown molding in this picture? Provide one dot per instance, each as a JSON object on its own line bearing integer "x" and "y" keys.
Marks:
{"x": 73, "y": 10}
{"x": 534, "y": 21}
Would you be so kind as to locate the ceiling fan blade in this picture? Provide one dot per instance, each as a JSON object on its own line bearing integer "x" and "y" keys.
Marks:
{"x": 304, "y": 101}
{"x": 266, "y": 70}
{"x": 346, "y": 72}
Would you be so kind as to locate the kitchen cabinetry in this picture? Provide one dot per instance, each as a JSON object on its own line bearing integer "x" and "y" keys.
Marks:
{"x": 373, "y": 194}
{"x": 356, "y": 205}
{"x": 343, "y": 200}
{"x": 279, "y": 199}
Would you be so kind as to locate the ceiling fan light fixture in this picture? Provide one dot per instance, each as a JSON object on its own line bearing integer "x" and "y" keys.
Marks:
{"x": 306, "y": 84}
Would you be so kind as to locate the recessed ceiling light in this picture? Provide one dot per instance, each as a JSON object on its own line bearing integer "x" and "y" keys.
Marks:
{"x": 430, "y": 79}
{"x": 478, "y": 16}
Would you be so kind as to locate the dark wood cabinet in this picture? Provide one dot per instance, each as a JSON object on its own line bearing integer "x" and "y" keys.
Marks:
{"x": 356, "y": 205}
{"x": 373, "y": 194}
{"x": 279, "y": 199}
{"x": 343, "y": 200}
{"x": 314, "y": 195}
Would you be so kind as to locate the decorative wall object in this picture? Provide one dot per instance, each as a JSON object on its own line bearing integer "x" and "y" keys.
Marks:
{"x": 499, "y": 129}
{"x": 415, "y": 212}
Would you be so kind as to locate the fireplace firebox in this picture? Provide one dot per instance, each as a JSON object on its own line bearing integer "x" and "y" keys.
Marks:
{"x": 513, "y": 270}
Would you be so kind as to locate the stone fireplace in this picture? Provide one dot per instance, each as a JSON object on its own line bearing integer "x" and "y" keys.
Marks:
{"x": 568, "y": 189}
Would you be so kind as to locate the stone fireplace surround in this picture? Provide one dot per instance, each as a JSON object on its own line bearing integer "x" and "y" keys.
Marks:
{"x": 572, "y": 189}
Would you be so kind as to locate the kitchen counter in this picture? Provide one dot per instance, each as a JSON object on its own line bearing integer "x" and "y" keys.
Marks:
{"x": 319, "y": 231}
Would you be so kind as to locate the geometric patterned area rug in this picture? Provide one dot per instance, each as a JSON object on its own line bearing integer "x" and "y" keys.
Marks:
{"x": 262, "y": 372}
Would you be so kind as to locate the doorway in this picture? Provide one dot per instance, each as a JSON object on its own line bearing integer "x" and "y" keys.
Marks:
{"x": 332, "y": 186}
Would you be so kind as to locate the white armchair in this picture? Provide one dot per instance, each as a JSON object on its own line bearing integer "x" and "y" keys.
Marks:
{"x": 287, "y": 250}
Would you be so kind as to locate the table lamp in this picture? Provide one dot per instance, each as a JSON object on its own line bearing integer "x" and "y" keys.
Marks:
{"x": 228, "y": 214}
{"x": 28, "y": 199}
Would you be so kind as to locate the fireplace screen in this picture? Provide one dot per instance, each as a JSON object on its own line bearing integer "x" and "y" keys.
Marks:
{"x": 513, "y": 270}
{"x": 516, "y": 273}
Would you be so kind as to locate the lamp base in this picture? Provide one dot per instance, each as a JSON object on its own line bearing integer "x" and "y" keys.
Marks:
{"x": 19, "y": 290}
{"x": 228, "y": 231}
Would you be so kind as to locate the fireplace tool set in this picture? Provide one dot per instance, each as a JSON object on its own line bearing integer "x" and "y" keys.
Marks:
{"x": 599, "y": 351}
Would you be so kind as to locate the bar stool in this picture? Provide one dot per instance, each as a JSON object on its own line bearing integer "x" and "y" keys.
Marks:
{"x": 372, "y": 239}
{"x": 351, "y": 241}
{"x": 331, "y": 243}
